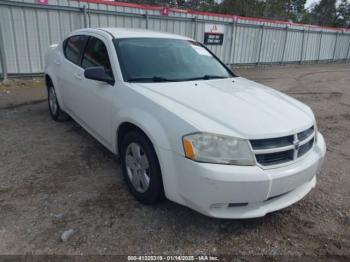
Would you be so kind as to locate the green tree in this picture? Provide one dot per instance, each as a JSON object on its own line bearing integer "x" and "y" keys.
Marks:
{"x": 325, "y": 12}
{"x": 343, "y": 14}
{"x": 291, "y": 10}
{"x": 253, "y": 8}
{"x": 275, "y": 9}
{"x": 200, "y": 5}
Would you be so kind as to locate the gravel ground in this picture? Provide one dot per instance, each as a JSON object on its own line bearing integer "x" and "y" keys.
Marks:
{"x": 54, "y": 177}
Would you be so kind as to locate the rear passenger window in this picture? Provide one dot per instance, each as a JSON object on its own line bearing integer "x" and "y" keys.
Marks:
{"x": 96, "y": 54}
{"x": 73, "y": 48}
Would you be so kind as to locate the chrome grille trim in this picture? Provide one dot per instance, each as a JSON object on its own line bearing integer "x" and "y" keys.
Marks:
{"x": 279, "y": 151}
{"x": 303, "y": 149}
{"x": 272, "y": 142}
{"x": 275, "y": 158}
{"x": 306, "y": 133}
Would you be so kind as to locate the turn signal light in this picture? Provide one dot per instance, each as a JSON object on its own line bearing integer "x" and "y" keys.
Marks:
{"x": 189, "y": 152}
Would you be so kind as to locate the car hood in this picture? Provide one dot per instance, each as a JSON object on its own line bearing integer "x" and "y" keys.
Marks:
{"x": 249, "y": 109}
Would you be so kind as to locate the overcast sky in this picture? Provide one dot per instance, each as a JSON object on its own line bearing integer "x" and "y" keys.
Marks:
{"x": 310, "y": 2}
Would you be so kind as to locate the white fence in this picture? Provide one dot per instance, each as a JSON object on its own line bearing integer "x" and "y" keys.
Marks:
{"x": 27, "y": 28}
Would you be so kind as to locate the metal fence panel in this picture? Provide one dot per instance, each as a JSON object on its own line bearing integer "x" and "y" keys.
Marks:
{"x": 327, "y": 46}
{"x": 246, "y": 45}
{"x": 272, "y": 46}
{"x": 29, "y": 28}
{"x": 342, "y": 47}
{"x": 311, "y": 46}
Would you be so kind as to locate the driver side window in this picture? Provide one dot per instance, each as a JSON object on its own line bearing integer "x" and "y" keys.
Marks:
{"x": 96, "y": 54}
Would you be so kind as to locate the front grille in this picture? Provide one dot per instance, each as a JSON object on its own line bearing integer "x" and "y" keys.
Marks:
{"x": 276, "y": 151}
{"x": 272, "y": 142}
{"x": 304, "y": 148}
{"x": 305, "y": 134}
{"x": 275, "y": 158}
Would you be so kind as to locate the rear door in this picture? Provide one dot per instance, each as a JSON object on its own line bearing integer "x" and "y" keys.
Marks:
{"x": 72, "y": 73}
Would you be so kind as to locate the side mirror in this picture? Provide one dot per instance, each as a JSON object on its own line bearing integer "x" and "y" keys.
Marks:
{"x": 99, "y": 74}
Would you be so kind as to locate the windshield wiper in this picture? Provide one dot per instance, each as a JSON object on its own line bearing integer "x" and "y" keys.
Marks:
{"x": 164, "y": 79}
{"x": 206, "y": 77}
{"x": 151, "y": 79}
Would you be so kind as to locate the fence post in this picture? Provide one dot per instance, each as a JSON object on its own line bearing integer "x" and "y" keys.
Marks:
{"x": 335, "y": 46}
{"x": 147, "y": 19}
{"x": 3, "y": 57}
{"x": 302, "y": 48}
{"x": 85, "y": 17}
{"x": 233, "y": 34}
{"x": 261, "y": 43}
{"x": 284, "y": 45}
{"x": 319, "y": 47}
{"x": 234, "y": 40}
{"x": 195, "y": 22}
{"x": 347, "y": 53}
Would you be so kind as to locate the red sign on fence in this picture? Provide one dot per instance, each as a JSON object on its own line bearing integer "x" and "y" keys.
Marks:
{"x": 165, "y": 11}
{"x": 42, "y": 2}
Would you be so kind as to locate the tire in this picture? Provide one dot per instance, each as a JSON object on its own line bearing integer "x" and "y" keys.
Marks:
{"x": 140, "y": 164}
{"x": 54, "y": 108}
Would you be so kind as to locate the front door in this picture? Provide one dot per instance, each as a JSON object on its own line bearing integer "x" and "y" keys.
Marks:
{"x": 96, "y": 98}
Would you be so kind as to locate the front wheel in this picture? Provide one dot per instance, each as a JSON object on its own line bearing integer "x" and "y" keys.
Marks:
{"x": 141, "y": 168}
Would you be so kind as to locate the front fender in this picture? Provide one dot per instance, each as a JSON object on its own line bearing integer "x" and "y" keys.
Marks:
{"x": 147, "y": 123}
{"x": 157, "y": 134}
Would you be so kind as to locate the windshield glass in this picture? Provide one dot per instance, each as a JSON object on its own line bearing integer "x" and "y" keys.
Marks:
{"x": 162, "y": 60}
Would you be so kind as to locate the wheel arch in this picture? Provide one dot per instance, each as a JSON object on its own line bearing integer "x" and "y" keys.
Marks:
{"x": 144, "y": 122}
{"x": 51, "y": 79}
{"x": 48, "y": 80}
{"x": 123, "y": 129}
{"x": 126, "y": 127}
{"x": 160, "y": 137}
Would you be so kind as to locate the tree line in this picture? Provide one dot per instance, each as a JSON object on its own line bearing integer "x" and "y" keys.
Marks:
{"x": 325, "y": 12}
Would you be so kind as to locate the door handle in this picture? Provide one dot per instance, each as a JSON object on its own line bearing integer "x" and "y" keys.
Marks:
{"x": 78, "y": 76}
{"x": 57, "y": 62}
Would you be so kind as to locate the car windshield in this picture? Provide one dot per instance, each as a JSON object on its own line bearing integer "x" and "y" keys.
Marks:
{"x": 166, "y": 60}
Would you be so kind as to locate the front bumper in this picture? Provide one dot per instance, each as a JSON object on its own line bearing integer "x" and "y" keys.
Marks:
{"x": 227, "y": 191}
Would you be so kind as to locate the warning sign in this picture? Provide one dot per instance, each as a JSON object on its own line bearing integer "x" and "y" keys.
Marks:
{"x": 213, "y": 34}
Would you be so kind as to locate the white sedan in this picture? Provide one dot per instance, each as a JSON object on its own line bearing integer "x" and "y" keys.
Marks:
{"x": 184, "y": 125}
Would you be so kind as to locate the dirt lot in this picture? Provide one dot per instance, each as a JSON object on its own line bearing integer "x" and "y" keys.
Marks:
{"x": 55, "y": 177}
{"x": 23, "y": 91}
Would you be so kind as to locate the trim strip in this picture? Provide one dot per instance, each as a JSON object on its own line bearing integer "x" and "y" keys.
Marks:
{"x": 273, "y": 150}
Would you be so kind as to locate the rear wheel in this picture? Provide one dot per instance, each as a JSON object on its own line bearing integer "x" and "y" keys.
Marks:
{"x": 141, "y": 168}
{"x": 54, "y": 107}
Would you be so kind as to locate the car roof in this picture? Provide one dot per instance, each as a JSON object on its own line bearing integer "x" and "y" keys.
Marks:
{"x": 118, "y": 32}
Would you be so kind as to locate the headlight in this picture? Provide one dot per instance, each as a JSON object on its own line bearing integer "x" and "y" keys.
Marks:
{"x": 219, "y": 149}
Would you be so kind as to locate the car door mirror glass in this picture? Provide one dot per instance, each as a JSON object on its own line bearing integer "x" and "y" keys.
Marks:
{"x": 99, "y": 73}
